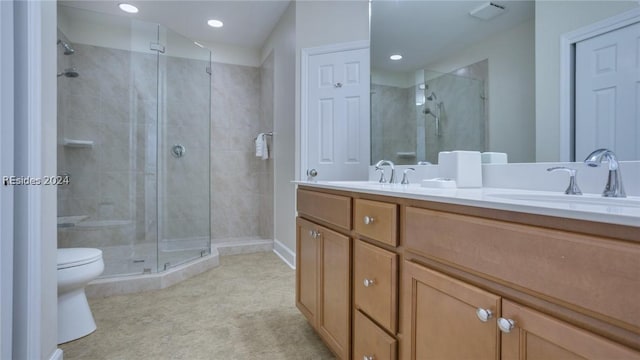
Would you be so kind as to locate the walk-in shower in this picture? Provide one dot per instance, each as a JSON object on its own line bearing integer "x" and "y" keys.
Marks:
{"x": 128, "y": 92}
{"x": 428, "y": 112}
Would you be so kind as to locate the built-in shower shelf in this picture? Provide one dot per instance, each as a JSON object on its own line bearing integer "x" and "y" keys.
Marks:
{"x": 75, "y": 143}
{"x": 406, "y": 154}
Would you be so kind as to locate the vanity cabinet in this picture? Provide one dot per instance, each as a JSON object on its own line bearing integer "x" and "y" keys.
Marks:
{"x": 323, "y": 269}
{"x": 386, "y": 277}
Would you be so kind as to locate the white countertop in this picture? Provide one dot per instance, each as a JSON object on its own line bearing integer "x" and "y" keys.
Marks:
{"x": 591, "y": 207}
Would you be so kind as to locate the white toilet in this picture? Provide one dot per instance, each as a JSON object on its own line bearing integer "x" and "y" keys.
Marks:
{"x": 76, "y": 267}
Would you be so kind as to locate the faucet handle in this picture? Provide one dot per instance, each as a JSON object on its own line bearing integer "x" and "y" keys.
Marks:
{"x": 405, "y": 177}
{"x": 382, "y": 178}
{"x": 573, "y": 188}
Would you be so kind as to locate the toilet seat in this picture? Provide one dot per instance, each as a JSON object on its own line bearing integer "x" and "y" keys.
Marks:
{"x": 72, "y": 257}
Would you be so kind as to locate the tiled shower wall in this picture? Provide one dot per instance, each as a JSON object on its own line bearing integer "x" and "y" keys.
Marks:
{"x": 242, "y": 184}
{"x": 393, "y": 123}
{"x": 110, "y": 103}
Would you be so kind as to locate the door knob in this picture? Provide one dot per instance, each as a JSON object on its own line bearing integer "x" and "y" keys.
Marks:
{"x": 311, "y": 173}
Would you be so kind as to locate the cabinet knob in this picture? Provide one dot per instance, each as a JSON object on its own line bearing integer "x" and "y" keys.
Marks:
{"x": 368, "y": 220}
{"x": 368, "y": 282}
{"x": 368, "y": 357}
{"x": 506, "y": 325}
{"x": 314, "y": 234}
{"x": 484, "y": 314}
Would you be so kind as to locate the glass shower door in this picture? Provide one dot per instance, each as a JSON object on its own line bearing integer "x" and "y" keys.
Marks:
{"x": 183, "y": 150}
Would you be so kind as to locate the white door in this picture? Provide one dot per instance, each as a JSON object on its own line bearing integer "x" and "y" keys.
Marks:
{"x": 337, "y": 116}
{"x": 608, "y": 93}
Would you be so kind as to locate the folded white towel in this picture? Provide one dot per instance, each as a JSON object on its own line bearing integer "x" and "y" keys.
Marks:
{"x": 260, "y": 145}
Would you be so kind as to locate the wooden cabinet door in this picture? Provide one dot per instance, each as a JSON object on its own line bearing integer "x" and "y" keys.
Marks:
{"x": 439, "y": 317}
{"x": 536, "y": 336}
{"x": 307, "y": 276}
{"x": 334, "y": 323}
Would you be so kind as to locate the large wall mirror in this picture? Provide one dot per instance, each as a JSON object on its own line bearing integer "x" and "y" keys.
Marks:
{"x": 474, "y": 75}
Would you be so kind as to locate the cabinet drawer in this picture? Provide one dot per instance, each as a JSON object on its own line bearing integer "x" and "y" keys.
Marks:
{"x": 375, "y": 283}
{"x": 369, "y": 341}
{"x": 333, "y": 209}
{"x": 376, "y": 220}
{"x": 597, "y": 274}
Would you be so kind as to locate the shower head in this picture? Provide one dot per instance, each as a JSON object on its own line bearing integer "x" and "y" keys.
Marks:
{"x": 68, "y": 50}
{"x": 432, "y": 97}
{"x": 70, "y": 73}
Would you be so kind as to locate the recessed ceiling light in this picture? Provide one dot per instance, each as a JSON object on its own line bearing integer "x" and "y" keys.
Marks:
{"x": 395, "y": 57}
{"x": 198, "y": 44}
{"x": 215, "y": 23}
{"x": 128, "y": 8}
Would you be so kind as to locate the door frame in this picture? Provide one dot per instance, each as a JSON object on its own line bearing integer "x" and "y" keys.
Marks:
{"x": 6, "y": 168}
{"x": 567, "y": 73}
{"x": 306, "y": 53}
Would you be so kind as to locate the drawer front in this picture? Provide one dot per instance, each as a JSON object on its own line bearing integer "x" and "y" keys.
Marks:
{"x": 333, "y": 209}
{"x": 596, "y": 274}
{"x": 376, "y": 220}
{"x": 371, "y": 342}
{"x": 375, "y": 283}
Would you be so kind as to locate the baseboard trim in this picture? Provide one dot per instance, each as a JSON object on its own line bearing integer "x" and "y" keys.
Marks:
{"x": 57, "y": 355}
{"x": 284, "y": 253}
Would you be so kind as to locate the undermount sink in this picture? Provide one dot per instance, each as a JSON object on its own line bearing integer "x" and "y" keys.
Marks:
{"x": 570, "y": 199}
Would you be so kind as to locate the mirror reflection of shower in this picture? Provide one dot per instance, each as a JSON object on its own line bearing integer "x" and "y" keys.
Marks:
{"x": 435, "y": 113}
{"x": 70, "y": 72}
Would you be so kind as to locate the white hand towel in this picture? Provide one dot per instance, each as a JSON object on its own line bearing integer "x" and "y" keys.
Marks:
{"x": 260, "y": 145}
{"x": 265, "y": 147}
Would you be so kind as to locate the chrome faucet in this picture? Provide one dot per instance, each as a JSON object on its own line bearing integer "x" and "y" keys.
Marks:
{"x": 405, "y": 176}
{"x": 614, "y": 186}
{"x": 393, "y": 171}
{"x": 573, "y": 188}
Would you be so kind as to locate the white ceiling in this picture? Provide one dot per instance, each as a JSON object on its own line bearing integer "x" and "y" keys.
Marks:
{"x": 246, "y": 23}
{"x": 426, "y": 31}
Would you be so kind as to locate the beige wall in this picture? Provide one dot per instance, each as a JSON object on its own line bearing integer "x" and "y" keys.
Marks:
{"x": 304, "y": 24}
{"x": 553, "y": 19}
{"x": 281, "y": 43}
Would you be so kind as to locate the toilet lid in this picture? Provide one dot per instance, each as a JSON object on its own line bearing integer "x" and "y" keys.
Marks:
{"x": 70, "y": 257}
